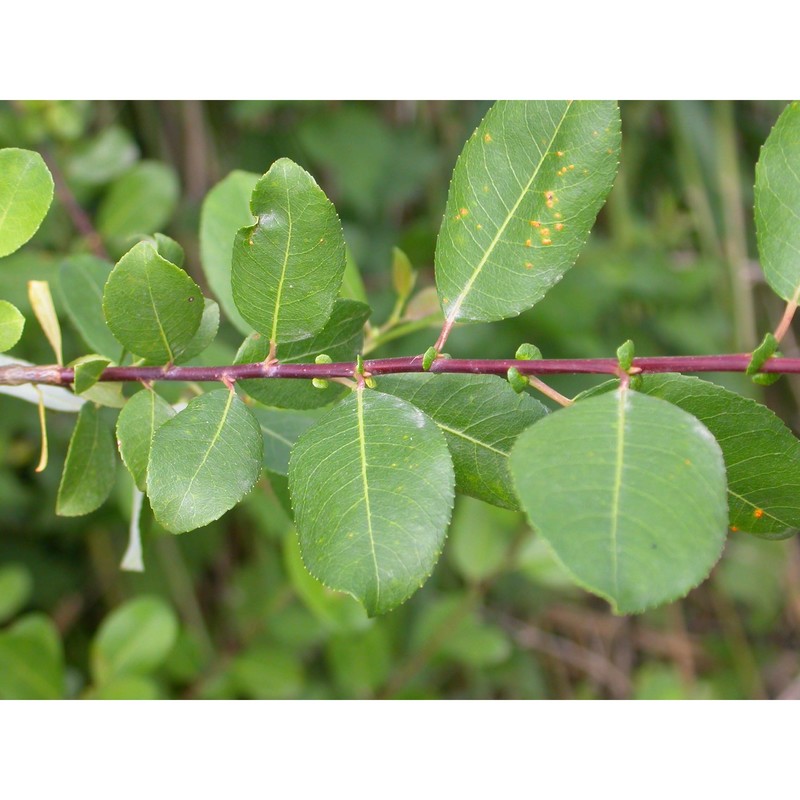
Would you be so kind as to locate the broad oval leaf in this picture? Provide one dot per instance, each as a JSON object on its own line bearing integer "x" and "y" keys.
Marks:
{"x": 152, "y": 307}
{"x": 372, "y": 488}
{"x": 480, "y": 417}
{"x": 629, "y": 492}
{"x": 31, "y": 660}
{"x": 134, "y": 639}
{"x": 341, "y": 339}
{"x": 288, "y": 267}
{"x": 137, "y": 423}
{"x": 777, "y": 205}
{"x": 88, "y": 476}
{"x": 203, "y": 461}
{"x": 762, "y": 456}
{"x": 524, "y": 195}
{"x": 226, "y": 209}
{"x": 82, "y": 279}
{"x": 140, "y": 201}
{"x": 26, "y": 191}
{"x": 12, "y": 324}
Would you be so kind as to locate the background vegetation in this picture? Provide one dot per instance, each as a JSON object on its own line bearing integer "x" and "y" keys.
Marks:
{"x": 228, "y": 611}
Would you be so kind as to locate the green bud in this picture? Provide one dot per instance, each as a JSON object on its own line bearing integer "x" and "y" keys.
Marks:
{"x": 765, "y": 378}
{"x": 370, "y": 382}
{"x": 429, "y": 358}
{"x": 762, "y": 353}
{"x": 528, "y": 352}
{"x": 517, "y": 380}
{"x": 625, "y": 355}
{"x": 319, "y": 383}
{"x": 323, "y": 358}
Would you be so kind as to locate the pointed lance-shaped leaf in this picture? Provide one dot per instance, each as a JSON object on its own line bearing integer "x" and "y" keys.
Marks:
{"x": 88, "y": 476}
{"x": 629, "y": 492}
{"x": 524, "y": 195}
{"x": 152, "y": 307}
{"x": 288, "y": 267}
{"x": 26, "y": 191}
{"x": 777, "y": 205}
{"x": 203, "y": 461}
{"x": 372, "y": 488}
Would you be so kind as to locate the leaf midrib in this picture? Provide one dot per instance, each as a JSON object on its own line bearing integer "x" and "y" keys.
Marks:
{"x": 203, "y": 461}
{"x": 279, "y": 294}
{"x": 456, "y": 307}
{"x": 362, "y": 444}
{"x": 621, "y": 411}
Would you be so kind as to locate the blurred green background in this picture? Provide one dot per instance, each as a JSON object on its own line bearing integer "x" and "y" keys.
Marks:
{"x": 228, "y": 611}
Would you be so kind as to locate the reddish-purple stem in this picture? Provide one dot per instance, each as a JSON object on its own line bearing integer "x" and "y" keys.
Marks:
{"x": 737, "y": 362}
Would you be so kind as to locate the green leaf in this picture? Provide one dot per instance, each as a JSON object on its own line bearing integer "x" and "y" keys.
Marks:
{"x": 31, "y": 661}
{"x": 205, "y": 334}
{"x": 126, "y": 687}
{"x": 26, "y": 191}
{"x": 226, "y": 209}
{"x": 87, "y": 370}
{"x": 281, "y": 429}
{"x": 105, "y": 157}
{"x": 137, "y": 423}
{"x": 372, "y": 488}
{"x": 288, "y": 267}
{"x": 82, "y": 279}
{"x": 134, "y": 639}
{"x": 524, "y": 195}
{"x": 11, "y": 325}
{"x": 152, "y": 307}
{"x": 629, "y": 492}
{"x": 481, "y": 417}
{"x": 203, "y": 461}
{"x": 777, "y": 205}
{"x": 140, "y": 201}
{"x": 169, "y": 249}
{"x": 337, "y": 611}
{"x": 268, "y": 673}
{"x": 88, "y": 475}
{"x": 762, "y": 456}
{"x": 403, "y": 275}
{"x": 16, "y": 586}
{"x": 341, "y": 339}
{"x": 352, "y": 282}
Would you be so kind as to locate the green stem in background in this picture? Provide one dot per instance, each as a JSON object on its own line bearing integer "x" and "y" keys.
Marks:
{"x": 734, "y": 241}
{"x": 182, "y": 589}
{"x": 697, "y": 197}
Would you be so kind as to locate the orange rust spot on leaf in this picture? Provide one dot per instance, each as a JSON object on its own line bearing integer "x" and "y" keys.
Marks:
{"x": 463, "y": 212}
{"x": 487, "y": 138}
{"x": 528, "y": 243}
{"x": 571, "y": 166}
{"x": 545, "y": 232}
{"x": 559, "y": 153}
{"x": 559, "y": 226}
{"x": 528, "y": 265}
{"x": 550, "y": 198}
{"x": 535, "y": 223}
{"x": 758, "y": 513}
{"x": 734, "y": 528}
{"x": 546, "y": 242}
{"x": 557, "y": 215}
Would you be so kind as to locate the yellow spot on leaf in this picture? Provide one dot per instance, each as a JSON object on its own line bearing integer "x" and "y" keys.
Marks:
{"x": 557, "y": 215}
{"x": 559, "y": 226}
{"x": 559, "y": 153}
{"x": 479, "y": 227}
{"x": 528, "y": 265}
{"x": 463, "y": 212}
{"x": 487, "y": 138}
{"x": 535, "y": 223}
{"x": 545, "y": 231}
{"x": 528, "y": 243}
{"x": 546, "y": 242}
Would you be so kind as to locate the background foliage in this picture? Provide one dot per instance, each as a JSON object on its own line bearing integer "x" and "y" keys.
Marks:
{"x": 229, "y": 611}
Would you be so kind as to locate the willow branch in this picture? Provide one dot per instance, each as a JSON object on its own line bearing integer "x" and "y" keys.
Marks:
{"x": 17, "y": 374}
